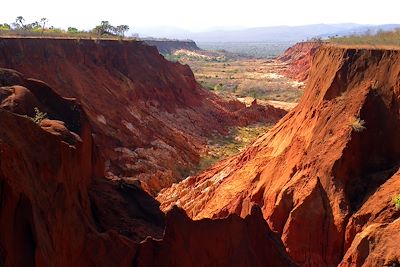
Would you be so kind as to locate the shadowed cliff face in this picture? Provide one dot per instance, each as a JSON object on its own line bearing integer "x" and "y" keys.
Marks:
{"x": 231, "y": 241}
{"x": 149, "y": 116}
{"x": 325, "y": 184}
{"x": 45, "y": 170}
{"x": 56, "y": 209}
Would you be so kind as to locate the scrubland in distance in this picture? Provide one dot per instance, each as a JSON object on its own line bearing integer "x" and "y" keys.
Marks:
{"x": 380, "y": 38}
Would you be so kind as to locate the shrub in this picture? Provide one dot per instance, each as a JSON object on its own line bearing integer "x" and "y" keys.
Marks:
{"x": 5, "y": 27}
{"x": 396, "y": 202}
{"x": 39, "y": 116}
{"x": 358, "y": 125}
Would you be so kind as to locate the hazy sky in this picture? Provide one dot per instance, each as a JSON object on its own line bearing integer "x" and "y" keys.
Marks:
{"x": 202, "y": 14}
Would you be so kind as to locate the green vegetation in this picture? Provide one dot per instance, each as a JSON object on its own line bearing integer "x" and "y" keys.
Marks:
{"x": 396, "y": 202}
{"x": 224, "y": 146}
{"x": 39, "y": 116}
{"x": 105, "y": 28}
{"x": 358, "y": 124}
{"x": 380, "y": 38}
{"x": 243, "y": 78}
{"x": 172, "y": 57}
{"x": 39, "y": 28}
{"x": 182, "y": 56}
{"x": 248, "y": 50}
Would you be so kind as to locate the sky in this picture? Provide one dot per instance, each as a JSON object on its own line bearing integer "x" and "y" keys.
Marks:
{"x": 202, "y": 15}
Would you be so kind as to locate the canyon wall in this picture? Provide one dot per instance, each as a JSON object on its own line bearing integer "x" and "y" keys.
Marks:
{"x": 150, "y": 118}
{"x": 298, "y": 59}
{"x": 57, "y": 209}
{"x": 325, "y": 175}
{"x": 45, "y": 170}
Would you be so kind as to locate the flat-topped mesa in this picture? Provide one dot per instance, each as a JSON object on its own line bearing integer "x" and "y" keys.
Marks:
{"x": 149, "y": 116}
{"x": 320, "y": 165}
{"x": 298, "y": 60}
{"x": 169, "y": 46}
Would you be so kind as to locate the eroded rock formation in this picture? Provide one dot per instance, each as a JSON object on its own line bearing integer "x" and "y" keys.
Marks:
{"x": 45, "y": 212}
{"x": 326, "y": 174}
{"x": 57, "y": 209}
{"x": 298, "y": 60}
{"x": 149, "y": 116}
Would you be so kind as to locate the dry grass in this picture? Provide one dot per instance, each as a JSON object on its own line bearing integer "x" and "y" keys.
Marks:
{"x": 241, "y": 78}
{"x": 358, "y": 124}
{"x": 380, "y": 39}
{"x": 396, "y": 202}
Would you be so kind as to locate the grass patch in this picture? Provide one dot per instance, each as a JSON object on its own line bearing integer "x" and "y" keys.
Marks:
{"x": 396, "y": 202}
{"x": 358, "y": 125}
{"x": 221, "y": 147}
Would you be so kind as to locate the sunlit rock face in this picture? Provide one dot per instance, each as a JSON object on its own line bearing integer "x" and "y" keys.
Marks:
{"x": 325, "y": 175}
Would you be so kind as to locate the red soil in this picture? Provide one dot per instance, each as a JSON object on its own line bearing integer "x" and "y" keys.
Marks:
{"x": 298, "y": 60}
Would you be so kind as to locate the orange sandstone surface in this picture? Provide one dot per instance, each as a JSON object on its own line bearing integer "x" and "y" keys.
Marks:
{"x": 298, "y": 60}
{"x": 325, "y": 175}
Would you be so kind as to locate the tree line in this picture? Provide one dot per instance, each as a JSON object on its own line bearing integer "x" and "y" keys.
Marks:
{"x": 19, "y": 26}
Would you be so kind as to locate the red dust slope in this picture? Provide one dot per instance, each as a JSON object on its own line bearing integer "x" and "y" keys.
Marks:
{"x": 326, "y": 174}
{"x": 149, "y": 116}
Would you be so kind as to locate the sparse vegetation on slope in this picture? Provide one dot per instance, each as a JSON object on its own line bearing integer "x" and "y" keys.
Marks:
{"x": 396, "y": 201}
{"x": 39, "y": 116}
{"x": 358, "y": 124}
{"x": 221, "y": 147}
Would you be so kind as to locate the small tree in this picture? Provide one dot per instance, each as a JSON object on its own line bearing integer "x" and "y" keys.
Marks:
{"x": 43, "y": 22}
{"x": 104, "y": 28}
{"x": 121, "y": 29}
{"x": 19, "y": 21}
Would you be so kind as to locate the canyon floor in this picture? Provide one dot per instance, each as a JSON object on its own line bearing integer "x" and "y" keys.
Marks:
{"x": 244, "y": 78}
{"x": 232, "y": 76}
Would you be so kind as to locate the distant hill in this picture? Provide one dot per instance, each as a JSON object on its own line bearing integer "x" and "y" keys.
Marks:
{"x": 267, "y": 34}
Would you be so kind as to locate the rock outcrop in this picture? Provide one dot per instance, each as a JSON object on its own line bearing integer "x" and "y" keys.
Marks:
{"x": 149, "y": 116}
{"x": 297, "y": 59}
{"x": 57, "y": 209}
{"x": 231, "y": 241}
{"x": 326, "y": 174}
{"x": 45, "y": 212}
{"x": 170, "y": 46}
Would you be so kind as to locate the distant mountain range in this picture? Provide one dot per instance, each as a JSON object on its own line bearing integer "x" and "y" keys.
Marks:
{"x": 265, "y": 34}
